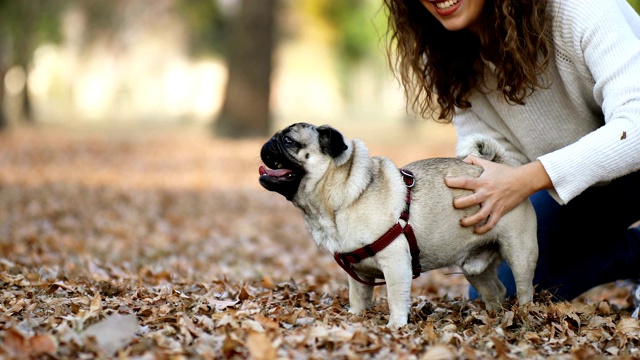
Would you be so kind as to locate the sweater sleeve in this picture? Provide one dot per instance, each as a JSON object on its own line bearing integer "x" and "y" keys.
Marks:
{"x": 604, "y": 38}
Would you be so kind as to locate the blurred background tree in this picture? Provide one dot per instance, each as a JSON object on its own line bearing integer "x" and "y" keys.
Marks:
{"x": 23, "y": 26}
{"x": 245, "y": 111}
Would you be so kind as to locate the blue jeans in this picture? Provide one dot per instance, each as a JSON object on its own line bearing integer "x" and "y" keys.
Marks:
{"x": 586, "y": 242}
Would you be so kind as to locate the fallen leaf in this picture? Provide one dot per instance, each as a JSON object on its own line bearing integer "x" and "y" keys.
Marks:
{"x": 266, "y": 322}
{"x": 95, "y": 307}
{"x": 244, "y": 294}
{"x": 260, "y": 347}
{"x": 43, "y": 344}
{"x": 629, "y": 327}
{"x": 231, "y": 347}
{"x": 21, "y": 346}
{"x": 222, "y": 304}
{"x": 501, "y": 347}
{"x": 439, "y": 352}
{"x": 584, "y": 352}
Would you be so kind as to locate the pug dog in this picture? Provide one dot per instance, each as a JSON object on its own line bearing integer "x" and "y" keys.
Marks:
{"x": 351, "y": 201}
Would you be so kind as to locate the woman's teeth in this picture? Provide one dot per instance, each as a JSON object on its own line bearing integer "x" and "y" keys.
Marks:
{"x": 446, "y": 4}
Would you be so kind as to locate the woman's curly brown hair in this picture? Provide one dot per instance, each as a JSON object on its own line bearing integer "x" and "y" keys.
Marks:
{"x": 435, "y": 64}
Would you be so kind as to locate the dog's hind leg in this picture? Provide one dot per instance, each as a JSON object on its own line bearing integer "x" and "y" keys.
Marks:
{"x": 522, "y": 259}
{"x": 488, "y": 285}
{"x": 360, "y": 295}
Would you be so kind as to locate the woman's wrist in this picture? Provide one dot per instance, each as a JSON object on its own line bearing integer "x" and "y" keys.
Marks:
{"x": 535, "y": 177}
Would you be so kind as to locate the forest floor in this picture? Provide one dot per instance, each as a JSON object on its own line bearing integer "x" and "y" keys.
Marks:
{"x": 161, "y": 244}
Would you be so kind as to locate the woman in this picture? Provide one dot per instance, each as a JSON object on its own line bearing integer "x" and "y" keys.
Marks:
{"x": 557, "y": 82}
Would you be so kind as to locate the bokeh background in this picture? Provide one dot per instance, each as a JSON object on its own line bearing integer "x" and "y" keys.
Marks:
{"x": 246, "y": 67}
{"x": 241, "y": 67}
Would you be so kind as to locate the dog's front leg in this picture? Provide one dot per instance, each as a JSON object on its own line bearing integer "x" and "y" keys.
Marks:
{"x": 398, "y": 276}
{"x": 360, "y": 296}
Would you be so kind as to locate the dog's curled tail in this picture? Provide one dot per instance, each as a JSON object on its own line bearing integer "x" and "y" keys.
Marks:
{"x": 482, "y": 147}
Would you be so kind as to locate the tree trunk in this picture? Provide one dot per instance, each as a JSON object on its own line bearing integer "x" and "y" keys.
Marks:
{"x": 4, "y": 123}
{"x": 26, "y": 109}
{"x": 24, "y": 48}
{"x": 245, "y": 111}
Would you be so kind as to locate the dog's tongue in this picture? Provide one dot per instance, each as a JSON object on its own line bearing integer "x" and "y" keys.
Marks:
{"x": 263, "y": 170}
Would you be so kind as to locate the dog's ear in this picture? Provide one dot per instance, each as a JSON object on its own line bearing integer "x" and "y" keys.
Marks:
{"x": 331, "y": 141}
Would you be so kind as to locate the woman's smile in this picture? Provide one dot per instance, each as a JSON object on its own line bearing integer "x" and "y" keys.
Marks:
{"x": 456, "y": 15}
{"x": 447, "y": 7}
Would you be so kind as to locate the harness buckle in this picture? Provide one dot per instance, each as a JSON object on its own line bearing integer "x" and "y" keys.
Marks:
{"x": 408, "y": 178}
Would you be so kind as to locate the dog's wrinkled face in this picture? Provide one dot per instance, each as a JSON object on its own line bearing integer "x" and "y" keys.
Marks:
{"x": 294, "y": 152}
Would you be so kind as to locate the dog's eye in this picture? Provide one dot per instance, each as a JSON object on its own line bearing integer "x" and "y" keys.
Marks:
{"x": 287, "y": 140}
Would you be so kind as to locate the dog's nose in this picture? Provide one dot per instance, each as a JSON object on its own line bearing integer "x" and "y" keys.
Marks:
{"x": 263, "y": 151}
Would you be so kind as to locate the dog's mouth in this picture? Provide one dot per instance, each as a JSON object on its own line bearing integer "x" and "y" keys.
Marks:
{"x": 281, "y": 180}
{"x": 278, "y": 174}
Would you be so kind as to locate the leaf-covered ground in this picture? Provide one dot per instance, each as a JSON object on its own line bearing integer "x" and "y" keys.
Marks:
{"x": 160, "y": 244}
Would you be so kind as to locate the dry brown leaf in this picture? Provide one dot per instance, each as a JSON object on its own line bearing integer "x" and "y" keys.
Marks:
{"x": 17, "y": 307}
{"x": 629, "y": 327}
{"x": 501, "y": 347}
{"x": 507, "y": 319}
{"x": 221, "y": 305}
{"x": 231, "y": 347}
{"x": 604, "y": 308}
{"x": 439, "y": 352}
{"x": 260, "y": 347}
{"x": 21, "y": 346}
{"x": 244, "y": 294}
{"x": 266, "y": 322}
{"x": 429, "y": 333}
{"x": 360, "y": 337}
{"x": 95, "y": 306}
{"x": 613, "y": 350}
{"x": 58, "y": 285}
{"x": 533, "y": 337}
{"x": 584, "y": 352}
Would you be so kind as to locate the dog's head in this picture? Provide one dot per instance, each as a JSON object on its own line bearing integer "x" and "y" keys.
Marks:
{"x": 299, "y": 151}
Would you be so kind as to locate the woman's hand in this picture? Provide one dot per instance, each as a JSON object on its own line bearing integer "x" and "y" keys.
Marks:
{"x": 498, "y": 190}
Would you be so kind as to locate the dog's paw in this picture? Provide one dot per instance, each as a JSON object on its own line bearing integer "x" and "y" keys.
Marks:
{"x": 358, "y": 305}
{"x": 355, "y": 311}
{"x": 396, "y": 323}
{"x": 495, "y": 306}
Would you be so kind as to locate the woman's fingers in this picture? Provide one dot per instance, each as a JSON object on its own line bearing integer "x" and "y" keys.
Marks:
{"x": 459, "y": 183}
{"x": 474, "y": 160}
{"x": 469, "y": 200}
{"x": 476, "y": 218}
{"x": 493, "y": 218}
{"x": 492, "y": 221}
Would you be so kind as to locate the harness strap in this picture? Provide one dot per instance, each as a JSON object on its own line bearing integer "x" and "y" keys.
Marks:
{"x": 346, "y": 259}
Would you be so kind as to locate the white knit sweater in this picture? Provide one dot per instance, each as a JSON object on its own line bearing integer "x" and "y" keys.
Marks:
{"x": 585, "y": 128}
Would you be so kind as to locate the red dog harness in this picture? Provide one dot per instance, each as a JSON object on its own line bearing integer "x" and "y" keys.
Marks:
{"x": 346, "y": 259}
